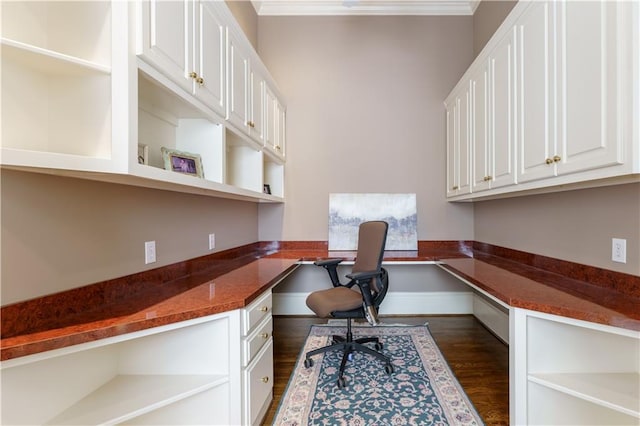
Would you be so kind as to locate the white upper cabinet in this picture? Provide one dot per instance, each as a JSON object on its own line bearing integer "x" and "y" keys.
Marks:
{"x": 238, "y": 83}
{"x": 458, "y": 141}
{"x": 247, "y": 85}
{"x": 185, "y": 40}
{"x": 579, "y": 74}
{"x": 492, "y": 109}
{"x": 502, "y": 112}
{"x": 256, "y": 105}
{"x": 535, "y": 89}
{"x": 481, "y": 145}
{"x": 96, "y": 89}
{"x": 553, "y": 100}
{"x": 166, "y": 40}
{"x": 210, "y": 57}
{"x": 274, "y": 113}
{"x": 591, "y": 85}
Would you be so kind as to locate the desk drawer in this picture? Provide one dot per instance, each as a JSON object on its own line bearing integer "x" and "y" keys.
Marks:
{"x": 255, "y": 312}
{"x": 256, "y": 341}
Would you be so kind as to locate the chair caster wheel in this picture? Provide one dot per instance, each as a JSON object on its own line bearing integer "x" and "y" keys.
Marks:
{"x": 308, "y": 362}
{"x": 341, "y": 383}
{"x": 388, "y": 368}
{"x": 378, "y": 346}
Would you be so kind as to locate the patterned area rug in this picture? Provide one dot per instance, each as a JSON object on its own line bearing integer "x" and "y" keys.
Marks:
{"x": 421, "y": 391}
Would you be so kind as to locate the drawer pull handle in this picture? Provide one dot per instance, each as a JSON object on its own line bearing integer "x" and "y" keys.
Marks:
{"x": 264, "y": 309}
{"x": 549, "y": 161}
{"x": 265, "y": 335}
{"x": 556, "y": 158}
{"x": 265, "y": 379}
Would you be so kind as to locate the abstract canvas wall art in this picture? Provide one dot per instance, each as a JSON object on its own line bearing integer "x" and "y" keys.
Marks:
{"x": 348, "y": 211}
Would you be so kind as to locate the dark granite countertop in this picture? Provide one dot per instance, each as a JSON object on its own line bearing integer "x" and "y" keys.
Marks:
{"x": 232, "y": 279}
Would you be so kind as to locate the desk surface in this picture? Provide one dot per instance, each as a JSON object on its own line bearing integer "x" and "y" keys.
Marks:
{"x": 145, "y": 305}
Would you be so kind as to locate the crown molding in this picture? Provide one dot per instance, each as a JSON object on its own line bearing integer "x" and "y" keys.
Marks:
{"x": 364, "y": 7}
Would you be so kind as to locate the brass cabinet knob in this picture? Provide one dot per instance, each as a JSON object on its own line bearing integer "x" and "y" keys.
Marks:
{"x": 549, "y": 161}
{"x": 265, "y": 379}
{"x": 455, "y": 187}
{"x": 193, "y": 74}
{"x": 265, "y": 335}
{"x": 487, "y": 178}
{"x": 264, "y": 309}
{"x": 200, "y": 81}
{"x": 278, "y": 147}
{"x": 556, "y": 158}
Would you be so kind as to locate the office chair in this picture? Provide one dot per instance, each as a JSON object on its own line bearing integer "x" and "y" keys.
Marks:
{"x": 359, "y": 298}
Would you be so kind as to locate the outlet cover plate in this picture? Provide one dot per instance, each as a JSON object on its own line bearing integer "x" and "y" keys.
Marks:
{"x": 149, "y": 252}
{"x": 619, "y": 250}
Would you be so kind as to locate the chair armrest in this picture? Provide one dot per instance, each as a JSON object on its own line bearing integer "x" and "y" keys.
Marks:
{"x": 331, "y": 265}
{"x": 327, "y": 262}
{"x": 364, "y": 275}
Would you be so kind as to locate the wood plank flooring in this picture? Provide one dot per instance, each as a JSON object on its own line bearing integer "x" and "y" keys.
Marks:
{"x": 478, "y": 359}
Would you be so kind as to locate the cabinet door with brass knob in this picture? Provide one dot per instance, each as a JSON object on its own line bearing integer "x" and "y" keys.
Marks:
{"x": 185, "y": 40}
{"x": 165, "y": 39}
{"x": 274, "y": 123}
{"x": 258, "y": 380}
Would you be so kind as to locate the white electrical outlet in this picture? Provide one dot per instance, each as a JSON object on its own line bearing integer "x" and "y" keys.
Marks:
{"x": 212, "y": 241}
{"x": 619, "y": 250}
{"x": 149, "y": 252}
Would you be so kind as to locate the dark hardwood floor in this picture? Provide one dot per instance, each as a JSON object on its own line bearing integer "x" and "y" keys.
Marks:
{"x": 478, "y": 359}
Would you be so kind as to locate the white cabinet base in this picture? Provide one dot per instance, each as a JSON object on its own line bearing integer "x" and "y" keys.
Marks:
{"x": 566, "y": 371}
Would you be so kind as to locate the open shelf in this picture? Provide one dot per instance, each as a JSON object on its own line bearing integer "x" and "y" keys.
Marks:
{"x": 586, "y": 371}
{"x": 127, "y": 378}
{"x": 128, "y": 396}
{"x": 56, "y": 72}
{"x": 53, "y": 62}
{"x": 67, "y": 29}
{"x": 616, "y": 391}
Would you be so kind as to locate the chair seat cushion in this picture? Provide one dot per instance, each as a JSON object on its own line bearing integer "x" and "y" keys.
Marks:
{"x": 324, "y": 302}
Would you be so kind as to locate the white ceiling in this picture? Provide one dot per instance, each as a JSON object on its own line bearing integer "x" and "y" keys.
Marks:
{"x": 364, "y": 7}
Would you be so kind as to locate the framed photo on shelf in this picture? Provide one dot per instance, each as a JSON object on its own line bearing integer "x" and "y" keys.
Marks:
{"x": 266, "y": 188}
{"x": 182, "y": 162}
{"x": 143, "y": 154}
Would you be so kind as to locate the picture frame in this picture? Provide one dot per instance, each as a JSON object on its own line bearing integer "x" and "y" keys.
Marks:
{"x": 182, "y": 162}
{"x": 266, "y": 189}
{"x": 143, "y": 154}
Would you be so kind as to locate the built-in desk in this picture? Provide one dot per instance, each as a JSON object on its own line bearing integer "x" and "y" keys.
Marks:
{"x": 196, "y": 349}
{"x": 170, "y": 341}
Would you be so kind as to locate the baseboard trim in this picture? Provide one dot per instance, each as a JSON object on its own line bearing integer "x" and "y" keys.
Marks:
{"x": 395, "y": 303}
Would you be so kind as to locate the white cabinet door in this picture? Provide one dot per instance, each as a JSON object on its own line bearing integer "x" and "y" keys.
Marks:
{"x": 270, "y": 119}
{"x": 281, "y": 134}
{"x": 535, "y": 88}
{"x": 502, "y": 112}
{"x": 209, "y": 57}
{"x": 590, "y": 112}
{"x": 166, "y": 39}
{"x": 458, "y": 143}
{"x": 238, "y": 84}
{"x": 274, "y": 123}
{"x": 480, "y": 142}
{"x": 452, "y": 135}
{"x": 256, "y": 106}
{"x": 185, "y": 40}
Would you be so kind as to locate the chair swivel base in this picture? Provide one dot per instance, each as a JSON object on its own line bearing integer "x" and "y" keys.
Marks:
{"x": 348, "y": 346}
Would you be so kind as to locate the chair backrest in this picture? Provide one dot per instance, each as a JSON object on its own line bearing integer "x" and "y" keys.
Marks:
{"x": 372, "y": 237}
